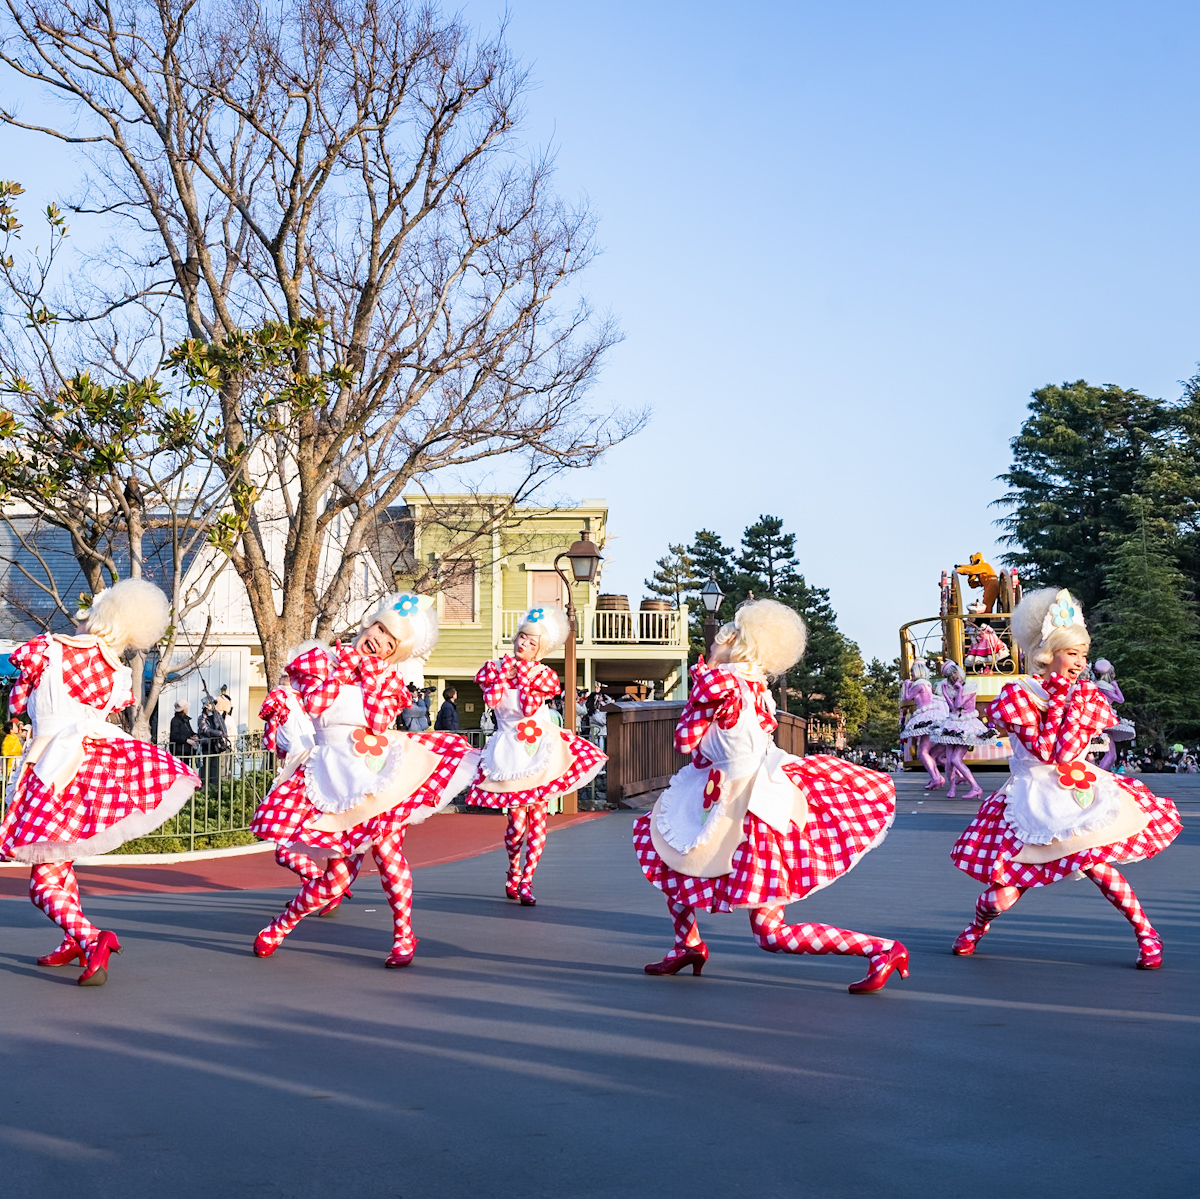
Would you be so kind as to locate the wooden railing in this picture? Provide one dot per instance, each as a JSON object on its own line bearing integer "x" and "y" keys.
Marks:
{"x": 641, "y": 745}
{"x": 617, "y": 628}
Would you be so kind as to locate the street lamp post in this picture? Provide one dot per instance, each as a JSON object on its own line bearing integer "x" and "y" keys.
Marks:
{"x": 585, "y": 562}
{"x": 711, "y": 596}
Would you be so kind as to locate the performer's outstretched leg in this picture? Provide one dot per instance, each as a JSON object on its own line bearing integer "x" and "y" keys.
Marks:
{"x": 355, "y": 863}
{"x": 925, "y": 753}
{"x": 314, "y": 895}
{"x": 987, "y": 907}
{"x": 396, "y": 877}
{"x": 54, "y": 889}
{"x": 1116, "y": 889}
{"x": 689, "y": 950}
{"x": 957, "y": 767}
{"x": 514, "y": 835}
{"x": 297, "y": 863}
{"x": 773, "y": 935}
{"x": 535, "y": 842}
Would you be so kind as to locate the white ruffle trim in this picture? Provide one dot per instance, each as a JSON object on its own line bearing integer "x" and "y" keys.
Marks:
{"x": 537, "y": 763}
{"x": 136, "y": 824}
{"x": 1034, "y": 835}
{"x": 683, "y": 838}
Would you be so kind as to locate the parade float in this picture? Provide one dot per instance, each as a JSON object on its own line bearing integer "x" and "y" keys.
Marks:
{"x": 977, "y": 634}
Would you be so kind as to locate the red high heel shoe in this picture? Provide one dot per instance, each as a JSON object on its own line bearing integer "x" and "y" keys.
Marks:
{"x": 526, "y": 896}
{"x": 965, "y": 942}
{"x": 1150, "y": 954}
{"x": 65, "y": 954}
{"x": 264, "y": 946}
{"x": 400, "y": 957}
{"x": 896, "y": 958}
{"x": 694, "y": 956}
{"x": 95, "y": 972}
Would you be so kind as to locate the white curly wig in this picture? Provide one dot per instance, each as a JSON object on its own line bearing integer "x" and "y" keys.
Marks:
{"x": 1027, "y": 619}
{"x": 952, "y": 671}
{"x": 766, "y": 633}
{"x": 131, "y": 614}
{"x": 918, "y": 670}
{"x": 549, "y": 623}
{"x": 412, "y": 621}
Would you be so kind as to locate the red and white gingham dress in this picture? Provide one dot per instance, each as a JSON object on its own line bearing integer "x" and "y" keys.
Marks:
{"x": 535, "y": 685}
{"x": 287, "y": 816}
{"x": 988, "y": 847}
{"x": 125, "y": 788}
{"x": 850, "y": 810}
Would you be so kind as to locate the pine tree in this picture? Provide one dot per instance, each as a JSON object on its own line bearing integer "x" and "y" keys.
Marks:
{"x": 675, "y": 576}
{"x": 1079, "y": 452}
{"x": 1149, "y": 629}
{"x": 768, "y": 558}
{"x": 711, "y": 558}
{"x": 881, "y": 689}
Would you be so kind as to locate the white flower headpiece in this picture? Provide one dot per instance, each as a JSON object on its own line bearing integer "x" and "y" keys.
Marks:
{"x": 1063, "y": 613}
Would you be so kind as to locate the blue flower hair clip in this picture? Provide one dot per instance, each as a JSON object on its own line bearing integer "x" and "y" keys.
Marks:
{"x": 407, "y": 604}
{"x": 536, "y": 614}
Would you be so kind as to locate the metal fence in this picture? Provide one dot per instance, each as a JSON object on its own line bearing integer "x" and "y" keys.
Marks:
{"x": 232, "y": 786}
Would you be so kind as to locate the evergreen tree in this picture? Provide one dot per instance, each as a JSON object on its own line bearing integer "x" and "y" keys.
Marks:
{"x": 711, "y": 558}
{"x": 1081, "y": 450}
{"x": 1150, "y": 631}
{"x": 880, "y": 728}
{"x": 767, "y": 564}
{"x": 675, "y": 577}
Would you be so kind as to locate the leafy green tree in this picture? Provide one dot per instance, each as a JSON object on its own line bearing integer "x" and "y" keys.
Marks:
{"x": 881, "y": 690}
{"x": 1150, "y": 631}
{"x": 767, "y": 563}
{"x": 1080, "y": 452}
{"x": 675, "y": 576}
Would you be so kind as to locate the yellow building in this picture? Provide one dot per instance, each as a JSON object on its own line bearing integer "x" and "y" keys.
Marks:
{"x": 484, "y": 594}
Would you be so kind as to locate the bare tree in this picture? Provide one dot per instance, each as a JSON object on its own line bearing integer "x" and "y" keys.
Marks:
{"x": 350, "y": 173}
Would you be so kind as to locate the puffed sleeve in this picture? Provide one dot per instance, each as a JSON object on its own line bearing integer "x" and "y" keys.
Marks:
{"x": 1015, "y": 710}
{"x": 714, "y": 697}
{"x": 385, "y": 696}
{"x": 29, "y": 660}
{"x": 313, "y": 677}
{"x": 491, "y": 679}
{"x": 1088, "y": 712}
{"x": 535, "y": 684}
{"x": 273, "y": 714}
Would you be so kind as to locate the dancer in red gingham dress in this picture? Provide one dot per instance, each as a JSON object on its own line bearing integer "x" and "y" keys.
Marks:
{"x": 85, "y": 786}
{"x": 288, "y": 728}
{"x": 529, "y": 759}
{"x": 362, "y": 783}
{"x": 745, "y": 825}
{"x": 1059, "y": 816}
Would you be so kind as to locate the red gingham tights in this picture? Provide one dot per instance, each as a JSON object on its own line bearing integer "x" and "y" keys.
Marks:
{"x": 1116, "y": 889}
{"x": 1113, "y": 886}
{"x": 317, "y": 893}
{"x": 396, "y": 877}
{"x": 52, "y": 886}
{"x": 773, "y": 935}
{"x": 525, "y": 825}
{"x": 307, "y": 868}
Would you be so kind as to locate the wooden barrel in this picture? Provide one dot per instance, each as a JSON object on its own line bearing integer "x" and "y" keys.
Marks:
{"x": 656, "y": 605}
{"x": 612, "y": 603}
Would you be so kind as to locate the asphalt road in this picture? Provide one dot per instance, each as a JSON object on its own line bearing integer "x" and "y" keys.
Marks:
{"x": 526, "y": 1054}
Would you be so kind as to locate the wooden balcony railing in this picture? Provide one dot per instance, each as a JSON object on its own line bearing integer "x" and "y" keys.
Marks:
{"x": 667, "y": 629}
{"x": 641, "y": 745}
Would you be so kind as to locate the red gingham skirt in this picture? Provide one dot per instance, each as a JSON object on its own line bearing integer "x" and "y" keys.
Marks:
{"x": 988, "y": 846}
{"x": 118, "y": 779}
{"x": 586, "y": 762}
{"x": 286, "y": 817}
{"x": 850, "y": 809}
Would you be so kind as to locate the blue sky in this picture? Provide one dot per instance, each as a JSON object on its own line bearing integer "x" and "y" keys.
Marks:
{"x": 845, "y": 241}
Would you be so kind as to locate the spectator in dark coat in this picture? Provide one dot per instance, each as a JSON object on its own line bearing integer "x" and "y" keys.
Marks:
{"x": 184, "y": 742}
{"x": 447, "y": 717}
